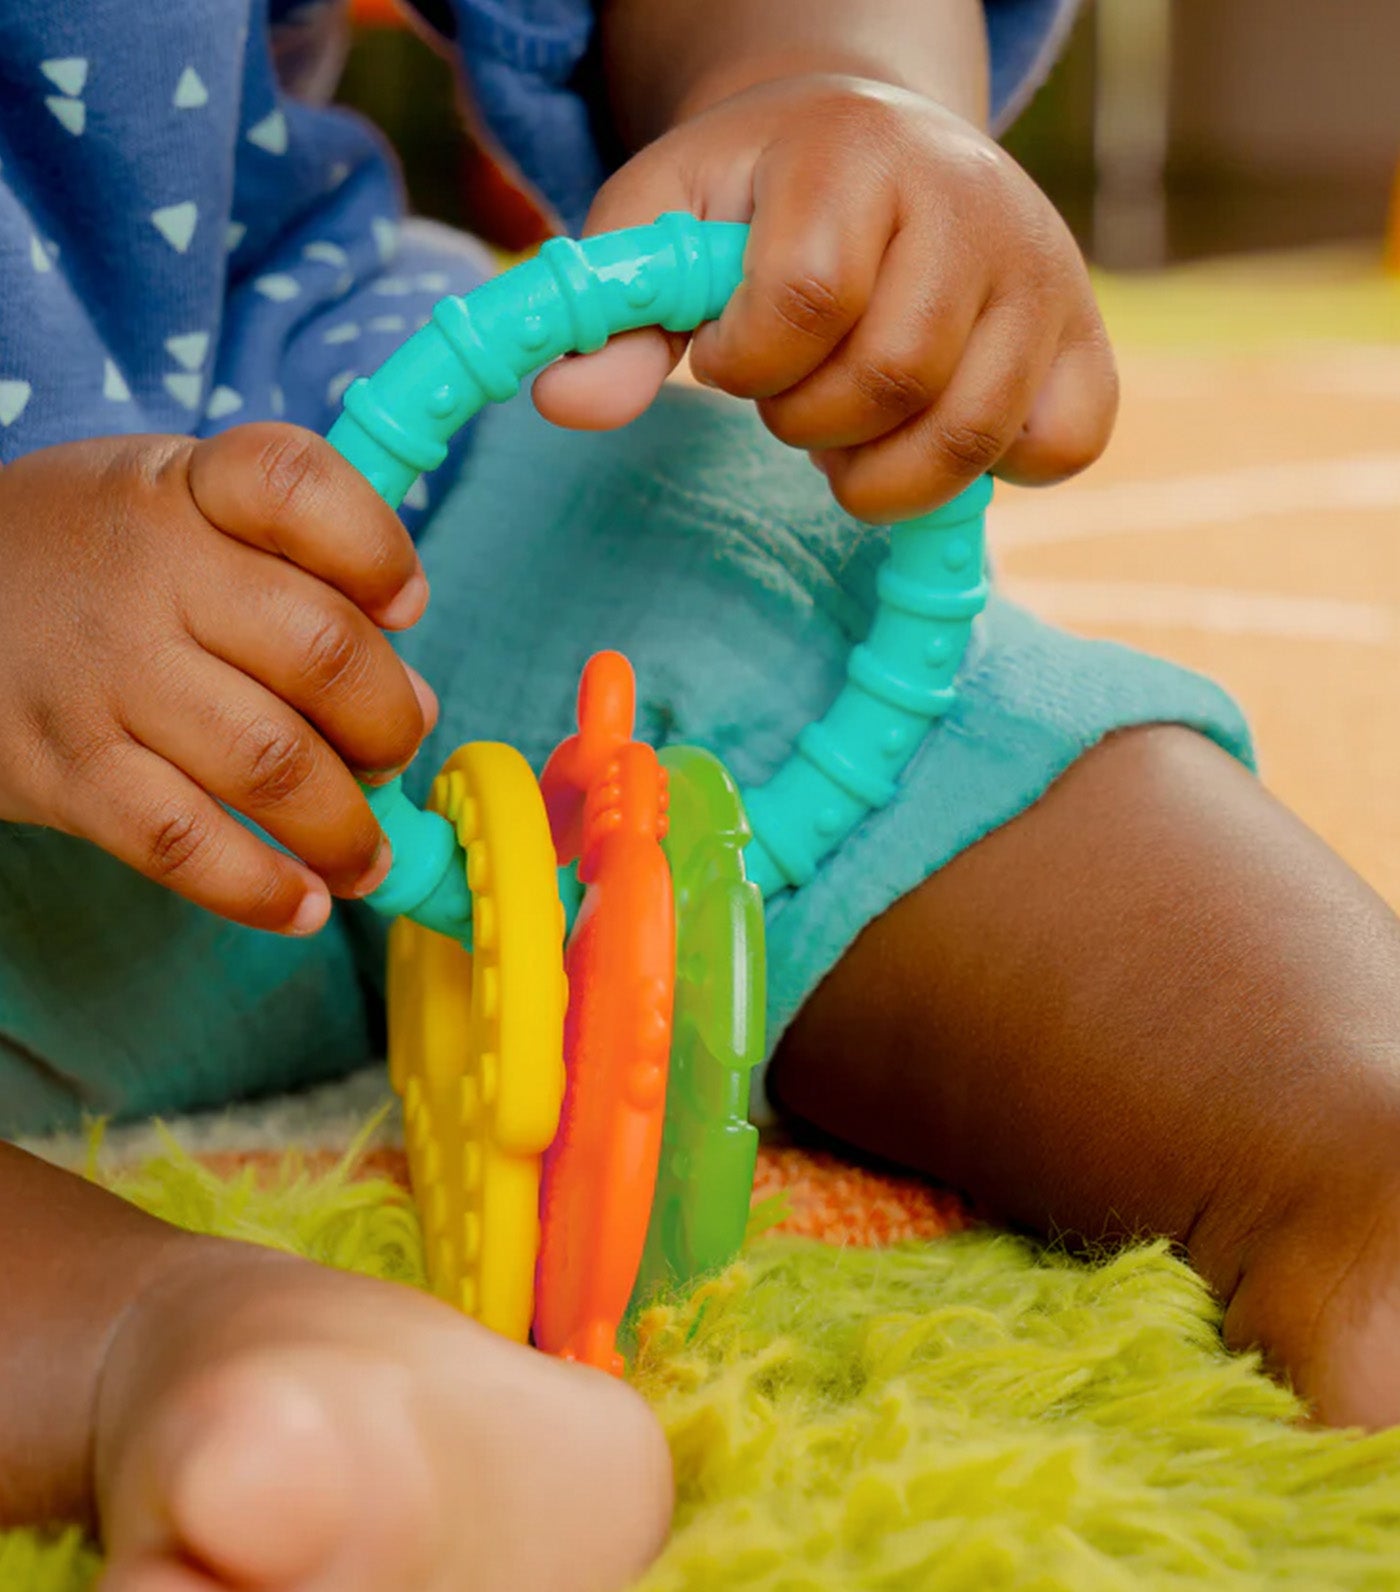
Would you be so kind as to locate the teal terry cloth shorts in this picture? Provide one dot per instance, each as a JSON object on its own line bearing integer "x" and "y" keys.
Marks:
{"x": 716, "y": 560}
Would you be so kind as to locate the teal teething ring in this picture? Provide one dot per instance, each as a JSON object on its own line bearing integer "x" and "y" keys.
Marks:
{"x": 677, "y": 274}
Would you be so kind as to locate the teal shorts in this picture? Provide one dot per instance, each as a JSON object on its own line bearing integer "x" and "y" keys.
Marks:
{"x": 716, "y": 560}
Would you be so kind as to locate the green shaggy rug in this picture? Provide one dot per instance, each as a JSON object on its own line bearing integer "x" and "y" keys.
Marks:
{"x": 971, "y": 1414}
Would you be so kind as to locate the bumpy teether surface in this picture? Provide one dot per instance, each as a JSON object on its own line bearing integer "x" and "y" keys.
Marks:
{"x": 606, "y": 797}
{"x": 705, "y": 1180}
{"x": 476, "y": 1038}
{"x": 475, "y": 1041}
{"x": 573, "y": 296}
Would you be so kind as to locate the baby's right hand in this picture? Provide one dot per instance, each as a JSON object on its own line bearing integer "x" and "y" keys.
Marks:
{"x": 187, "y": 624}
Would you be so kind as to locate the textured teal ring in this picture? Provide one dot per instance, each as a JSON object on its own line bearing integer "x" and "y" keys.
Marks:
{"x": 573, "y": 296}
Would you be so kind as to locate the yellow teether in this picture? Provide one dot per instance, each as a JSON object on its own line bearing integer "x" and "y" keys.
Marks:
{"x": 476, "y": 1041}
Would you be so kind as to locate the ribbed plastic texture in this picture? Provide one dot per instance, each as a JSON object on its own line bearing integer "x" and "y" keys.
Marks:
{"x": 898, "y": 682}
{"x": 571, "y": 297}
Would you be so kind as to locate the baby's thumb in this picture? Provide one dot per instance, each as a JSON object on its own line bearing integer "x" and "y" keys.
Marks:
{"x": 595, "y": 392}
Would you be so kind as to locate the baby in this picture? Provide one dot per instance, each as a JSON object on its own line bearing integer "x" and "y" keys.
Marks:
{"x": 1082, "y": 968}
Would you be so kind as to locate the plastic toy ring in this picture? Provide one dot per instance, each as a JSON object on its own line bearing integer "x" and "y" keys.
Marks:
{"x": 475, "y": 1041}
{"x": 704, "y": 1184}
{"x": 573, "y": 296}
{"x": 606, "y": 797}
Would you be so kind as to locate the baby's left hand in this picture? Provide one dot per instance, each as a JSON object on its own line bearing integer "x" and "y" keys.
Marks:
{"x": 913, "y": 313}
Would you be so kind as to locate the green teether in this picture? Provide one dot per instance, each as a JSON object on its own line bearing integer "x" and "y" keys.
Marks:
{"x": 705, "y": 1179}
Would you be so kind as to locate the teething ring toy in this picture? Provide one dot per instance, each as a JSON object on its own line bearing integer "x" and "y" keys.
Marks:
{"x": 704, "y": 1182}
{"x": 475, "y": 1039}
{"x": 606, "y": 797}
{"x": 900, "y": 681}
{"x": 572, "y": 297}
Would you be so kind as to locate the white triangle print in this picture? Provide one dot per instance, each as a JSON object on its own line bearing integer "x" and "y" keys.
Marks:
{"x": 346, "y": 332}
{"x": 190, "y": 92}
{"x": 234, "y": 235}
{"x": 417, "y": 495}
{"x": 336, "y": 386}
{"x": 223, "y": 401}
{"x": 68, "y": 74}
{"x": 185, "y": 389}
{"x": 114, "y": 387}
{"x": 270, "y": 133}
{"x": 278, "y": 286}
{"x": 279, "y": 403}
{"x": 71, "y": 112}
{"x": 337, "y": 174}
{"x": 176, "y": 223}
{"x": 14, "y": 395}
{"x": 188, "y": 349}
{"x": 39, "y": 255}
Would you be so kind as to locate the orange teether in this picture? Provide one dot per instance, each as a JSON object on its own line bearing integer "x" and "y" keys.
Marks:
{"x": 606, "y": 798}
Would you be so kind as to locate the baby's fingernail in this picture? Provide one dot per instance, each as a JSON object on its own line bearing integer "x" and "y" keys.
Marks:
{"x": 407, "y": 608}
{"x": 427, "y": 697}
{"x": 311, "y": 915}
{"x": 375, "y": 875}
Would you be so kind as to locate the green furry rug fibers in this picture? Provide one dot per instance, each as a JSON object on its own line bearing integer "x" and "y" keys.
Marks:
{"x": 972, "y": 1414}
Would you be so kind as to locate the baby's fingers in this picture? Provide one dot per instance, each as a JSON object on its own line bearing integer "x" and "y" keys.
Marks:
{"x": 897, "y": 361}
{"x": 965, "y": 434}
{"x": 287, "y": 491}
{"x": 132, "y": 803}
{"x": 256, "y": 755}
{"x": 320, "y": 654}
{"x": 595, "y": 392}
{"x": 1073, "y": 414}
{"x": 819, "y": 231}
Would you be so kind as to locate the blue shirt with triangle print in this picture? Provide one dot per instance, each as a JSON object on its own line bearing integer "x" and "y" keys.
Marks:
{"x": 192, "y": 236}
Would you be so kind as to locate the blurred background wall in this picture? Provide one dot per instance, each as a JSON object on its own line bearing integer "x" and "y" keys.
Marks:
{"x": 1172, "y": 129}
{"x": 1180, "y": 128}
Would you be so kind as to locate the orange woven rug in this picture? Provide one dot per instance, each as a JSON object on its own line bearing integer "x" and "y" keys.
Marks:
{"x": 823, "y": 1195}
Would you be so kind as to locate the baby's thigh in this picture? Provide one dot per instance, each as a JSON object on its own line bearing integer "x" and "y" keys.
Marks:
{"x": 120, "y": 999}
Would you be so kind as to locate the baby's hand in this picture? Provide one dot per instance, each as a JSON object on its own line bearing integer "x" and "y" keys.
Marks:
{"x": 187, "y": 624}
{"x": 914, "y": 312}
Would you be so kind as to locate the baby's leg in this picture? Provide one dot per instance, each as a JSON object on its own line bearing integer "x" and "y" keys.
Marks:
{"x": 1152, "y": 1003}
